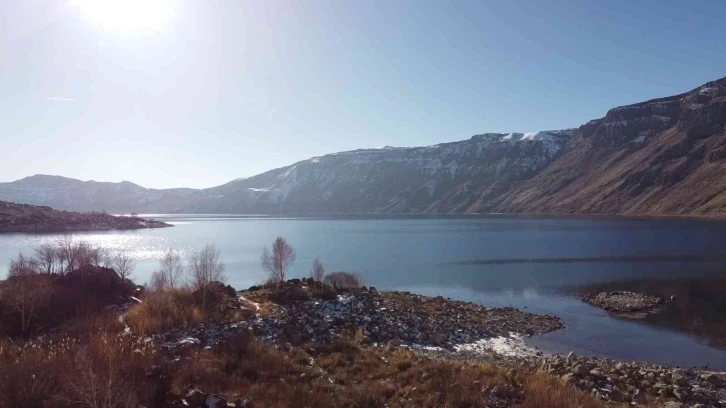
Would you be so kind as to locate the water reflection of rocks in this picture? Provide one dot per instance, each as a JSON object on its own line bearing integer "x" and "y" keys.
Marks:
{"x": 698, "y": 307}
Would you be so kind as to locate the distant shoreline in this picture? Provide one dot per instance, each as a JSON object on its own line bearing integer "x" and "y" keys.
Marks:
{"x": 24, "y": 218}
{"x": 685, "y": 217}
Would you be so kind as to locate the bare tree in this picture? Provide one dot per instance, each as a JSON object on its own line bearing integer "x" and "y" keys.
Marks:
{"x": 66, "y": 253}
{"x": 95, "y": 255}
{"x": 24, "y": 291}
{"x": 277, "y": 263}
{"x": 318, "y": 270}
{"x": 170, "y": 266}
{"x": 22, "y": 265}
{"x": 123, "y": 264}
{"x": 205, "y": 267}
{"x": 47, "y": 257}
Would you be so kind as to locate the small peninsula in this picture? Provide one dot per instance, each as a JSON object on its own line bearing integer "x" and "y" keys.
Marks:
{"x": 30, "y": 218}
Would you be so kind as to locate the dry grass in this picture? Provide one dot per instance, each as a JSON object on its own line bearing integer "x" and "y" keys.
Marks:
{"x": 341, "y": 374}
{"x": 161, "y": 311}
{"x": 544, "y": 391}
{"x": 100, "y": 371}
{"x": 100, "y": 368}
{"x": 344, "y": 374}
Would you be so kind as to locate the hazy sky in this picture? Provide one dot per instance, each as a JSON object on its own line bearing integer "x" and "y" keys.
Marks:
{"x": 169, "y": 93}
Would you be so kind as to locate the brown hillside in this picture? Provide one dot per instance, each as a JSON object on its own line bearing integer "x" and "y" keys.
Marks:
{"x": 665, "y": 156}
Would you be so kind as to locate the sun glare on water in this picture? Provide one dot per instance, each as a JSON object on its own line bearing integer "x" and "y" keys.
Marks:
{"x": 126, "y": 16}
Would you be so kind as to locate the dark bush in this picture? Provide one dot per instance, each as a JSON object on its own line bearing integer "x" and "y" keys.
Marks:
{"x": 344, "y": 280}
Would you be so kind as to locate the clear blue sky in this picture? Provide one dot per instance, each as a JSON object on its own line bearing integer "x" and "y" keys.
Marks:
{"x": 169, "y": 93}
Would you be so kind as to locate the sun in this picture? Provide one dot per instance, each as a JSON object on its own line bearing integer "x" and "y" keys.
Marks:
{"x": 126, "y": 16}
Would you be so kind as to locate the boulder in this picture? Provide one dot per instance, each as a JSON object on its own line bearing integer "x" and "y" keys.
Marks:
{"x": 616, "y": 396}
{"x": 579, "y": 370}
{"x": 679, "y": 379}
{"x": 438, "y": 338}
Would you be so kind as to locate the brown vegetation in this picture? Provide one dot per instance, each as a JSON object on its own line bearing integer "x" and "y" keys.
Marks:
{"x": 116, "y": 371}
{"x": 164, "y": 310}
{"x": 99, "y": 365}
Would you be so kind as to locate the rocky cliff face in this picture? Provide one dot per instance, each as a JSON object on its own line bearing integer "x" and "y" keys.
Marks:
{"x": 663, "y": 156}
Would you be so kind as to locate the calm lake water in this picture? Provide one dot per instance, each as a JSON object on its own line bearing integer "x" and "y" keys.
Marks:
{"x": 541, "y": 264}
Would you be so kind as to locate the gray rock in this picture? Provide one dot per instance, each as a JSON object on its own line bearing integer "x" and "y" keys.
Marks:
{"x": 579, "y": 370}
{"x": 679, "y": 379}
{"x": 680, "y": 393}
{"x": 616, "y": 396}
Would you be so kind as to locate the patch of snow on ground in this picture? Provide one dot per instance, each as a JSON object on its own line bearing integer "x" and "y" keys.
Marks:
{"x": 244, "y": 299}
{"x": 258, "y": 190}
{"x": 695, "y": 106}
{"x": 512, "y": 346}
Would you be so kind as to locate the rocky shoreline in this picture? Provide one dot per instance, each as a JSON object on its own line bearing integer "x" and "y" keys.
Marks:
{"x": 638, "y": 382}
{"x": 449, "y": 330}
{"x": 372, "y": 318}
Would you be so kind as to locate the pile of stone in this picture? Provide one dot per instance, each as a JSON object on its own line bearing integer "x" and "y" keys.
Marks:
{"x": 623, "y": 301}
{"x": 639, "y": 383}
{"x": 397, "y": 318}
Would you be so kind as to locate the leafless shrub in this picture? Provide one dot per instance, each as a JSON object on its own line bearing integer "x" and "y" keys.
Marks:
{"x": 47, "y": 257}
{"x": 123, "y": 264}
{"x": 318, "y": 270}
{"x": 22, "y": 266}
{"x": 158, "y": 281}
{"x": 344, "y": 280}
{"x": 105, "y": 375}
{"x": 278, "y": 262}
{"x": 205, "y": 267}
{"x": 25, "y": 291}
{"x": 66, "y": 253}
{"x": 72, "y": 254}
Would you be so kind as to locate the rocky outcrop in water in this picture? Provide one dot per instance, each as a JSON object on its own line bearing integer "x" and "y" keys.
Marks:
{"x": 623, "y": 301}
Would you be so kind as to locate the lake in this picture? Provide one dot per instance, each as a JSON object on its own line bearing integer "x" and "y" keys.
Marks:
{"x": 541, "y": 264}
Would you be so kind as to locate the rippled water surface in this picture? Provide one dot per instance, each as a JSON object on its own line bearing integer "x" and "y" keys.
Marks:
{"x": 542, "y": 264}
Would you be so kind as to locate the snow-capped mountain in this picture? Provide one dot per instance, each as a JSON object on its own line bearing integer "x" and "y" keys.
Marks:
{"x": 663, "y": 156}
{"x": 389, "y": 179}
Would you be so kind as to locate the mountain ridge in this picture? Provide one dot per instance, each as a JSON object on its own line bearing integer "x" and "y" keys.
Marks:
{"x": 663, "y": 156}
